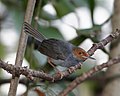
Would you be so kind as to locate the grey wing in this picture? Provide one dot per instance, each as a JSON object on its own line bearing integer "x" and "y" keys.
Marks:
{"x": 55, "y": 49}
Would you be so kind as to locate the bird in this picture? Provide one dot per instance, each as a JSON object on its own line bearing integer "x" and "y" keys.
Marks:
{"x": 59, "y": 52}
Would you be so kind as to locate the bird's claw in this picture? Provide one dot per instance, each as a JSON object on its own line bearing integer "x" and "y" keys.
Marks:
{"x": 71, "y": 69}
{"x": 61, "y": 74}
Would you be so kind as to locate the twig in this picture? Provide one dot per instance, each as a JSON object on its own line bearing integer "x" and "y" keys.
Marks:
{"x": 88, "y": 74}
{"x": 37, "y": 13}
{"x": 36, "y": 17}
{"x": 91, "y": 51}
{"x": 18, "y": 70}
{"x": 104, "y": 42}
{"x": 21, "y": 47}
{"x": 31, "y": 74}
{"x": 31, "y": 55}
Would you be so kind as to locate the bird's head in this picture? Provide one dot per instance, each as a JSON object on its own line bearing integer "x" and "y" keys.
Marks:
{"x": 81, "y": 54}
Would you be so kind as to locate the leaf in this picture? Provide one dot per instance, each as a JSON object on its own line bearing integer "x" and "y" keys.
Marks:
{"x": 45, "y": 15}
{"x": 90, "y": 31}
{"x": 63, "y": 7}
{"x": 78, "y": 3}
{"x": 76, "y": 41}
{"x": 50, "y": 32}
{"x": 91, "y": 4}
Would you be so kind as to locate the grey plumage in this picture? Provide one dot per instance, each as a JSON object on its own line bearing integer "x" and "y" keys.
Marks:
{"x": 33, "y": 32}
{"x": 61, "y": 52}
{"x": 53, "y": 48}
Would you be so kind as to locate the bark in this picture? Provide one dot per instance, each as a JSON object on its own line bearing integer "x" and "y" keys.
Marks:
{"x": 113, "y": 86}
{"x": 21, "y": 47}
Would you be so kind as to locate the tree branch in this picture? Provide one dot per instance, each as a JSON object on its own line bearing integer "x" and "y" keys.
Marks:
{"x": 91, "y": 51}
{"x": 104, "y": 42}
{"x": 17, "y": 70}
{"x": 21, "y": 47}
{"x": 95, "y": 69}
{"x": 88, "y": 74}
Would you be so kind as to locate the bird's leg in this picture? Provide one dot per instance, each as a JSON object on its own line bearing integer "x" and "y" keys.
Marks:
{"x": 72, "y": 68}
{"x": 53, "y": 65}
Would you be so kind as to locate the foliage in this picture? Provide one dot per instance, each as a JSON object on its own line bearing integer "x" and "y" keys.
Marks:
{"x": 16, "y": 8}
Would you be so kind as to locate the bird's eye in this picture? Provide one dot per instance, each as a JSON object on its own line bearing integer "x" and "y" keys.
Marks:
{"x": 80, "y": 53}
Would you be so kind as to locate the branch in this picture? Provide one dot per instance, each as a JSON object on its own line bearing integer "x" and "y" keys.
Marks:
{"x": 31, "y": 74}
{"x": 91, "y": 51}
{"x": 88, "y": 74}
{"x": 17, "y": 70}
{"x": 21, "y": 47}
{"x": 104, "y": 42}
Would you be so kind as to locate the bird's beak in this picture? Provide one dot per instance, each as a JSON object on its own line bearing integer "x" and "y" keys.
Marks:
{"x": 89, "y": 57}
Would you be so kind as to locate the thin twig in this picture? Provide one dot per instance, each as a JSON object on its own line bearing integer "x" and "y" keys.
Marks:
{"x": 21, "y": 47}
{"x": 18, "y": 70}
{"x": 31, "y": 55}
{"x": 91, "y": 51}
{"x": 104, "y": 42}
{"x": 88, "y": 74}
{"x": 31, "y": 74}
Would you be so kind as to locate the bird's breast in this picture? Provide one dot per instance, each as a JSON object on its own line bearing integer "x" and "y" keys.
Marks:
{"x": 68, "y": 62}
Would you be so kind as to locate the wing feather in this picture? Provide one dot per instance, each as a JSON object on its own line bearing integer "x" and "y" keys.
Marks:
{"x": 56, "y": 49}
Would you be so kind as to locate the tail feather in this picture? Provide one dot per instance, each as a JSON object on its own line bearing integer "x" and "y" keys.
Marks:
{"x": 33, "y": 32}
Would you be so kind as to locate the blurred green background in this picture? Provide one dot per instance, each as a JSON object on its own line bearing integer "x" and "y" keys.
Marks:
{"x": 81, "y": 22}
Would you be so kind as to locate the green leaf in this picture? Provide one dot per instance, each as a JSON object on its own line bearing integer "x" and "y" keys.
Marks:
{"x": 63, "y": 7}
{"x": 78, "y": 3}
{"x": 50, "y": 32}
{"x": 90, "y": 31}
{"x": 45, "y": 15}
{"x": 91, "y": 4}
{"x": 76, "y": 41}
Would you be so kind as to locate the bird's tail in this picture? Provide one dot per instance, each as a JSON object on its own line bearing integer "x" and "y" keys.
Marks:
{"x": 33, "y": 32}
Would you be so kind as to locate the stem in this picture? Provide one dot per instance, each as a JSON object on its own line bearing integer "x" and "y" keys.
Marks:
{"x": 21, "y": 47}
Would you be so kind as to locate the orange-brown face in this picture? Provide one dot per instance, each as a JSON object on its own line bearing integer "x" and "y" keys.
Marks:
{"x": 80, "y": 53}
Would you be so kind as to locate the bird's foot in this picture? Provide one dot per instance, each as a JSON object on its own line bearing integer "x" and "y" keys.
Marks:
{"x": 56, "y": 70}
{"x": 73, "y": 68}
{"x": 61, "y": 74}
